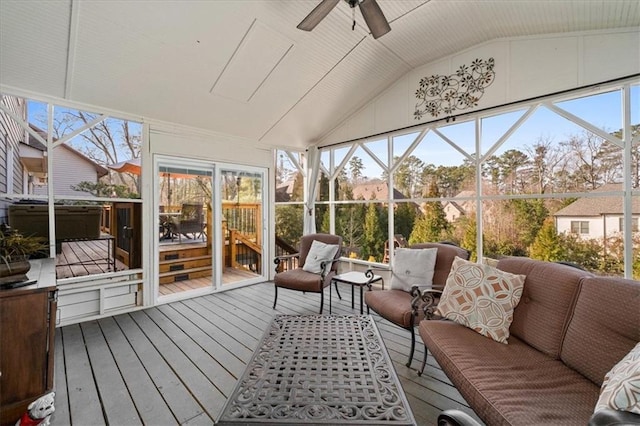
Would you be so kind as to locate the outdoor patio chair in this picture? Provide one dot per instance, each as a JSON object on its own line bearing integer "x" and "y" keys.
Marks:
{"x": 398, "y": 306}
{"x": 301, "y": 278}
{"x": 190, "y": 221}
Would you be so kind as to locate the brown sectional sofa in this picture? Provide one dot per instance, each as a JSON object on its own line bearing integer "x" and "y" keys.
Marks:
{"x": 569, "y": 329}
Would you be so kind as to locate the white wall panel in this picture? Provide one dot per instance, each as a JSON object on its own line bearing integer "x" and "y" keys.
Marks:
{"x": 542, "y": 66}
{"x": 525, "y": 68}
{"x": 209, "y": 147}
{"x": 391, "y": 107}
{"x": 608, "y": 56}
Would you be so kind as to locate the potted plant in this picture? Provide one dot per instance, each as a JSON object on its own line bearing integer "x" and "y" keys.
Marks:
{"x": 15, "y": 251}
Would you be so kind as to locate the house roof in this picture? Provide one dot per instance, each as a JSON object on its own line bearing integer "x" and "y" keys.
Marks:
{"x": 36, "y": 144}
{"x": 598, "y": 206}
{"x": 377, "y": 188}
{"x": 242, "y": 67}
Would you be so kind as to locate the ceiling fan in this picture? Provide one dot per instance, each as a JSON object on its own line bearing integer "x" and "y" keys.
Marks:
{"x": 371, "y": 13}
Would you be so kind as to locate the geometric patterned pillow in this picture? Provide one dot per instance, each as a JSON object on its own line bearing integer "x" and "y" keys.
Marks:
{"x": 481, "y": 297}
{"x": 621, "y": 387}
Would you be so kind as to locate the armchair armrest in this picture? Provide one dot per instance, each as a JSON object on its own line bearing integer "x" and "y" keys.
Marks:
{"x": 608, "y": 417}
{"x": 456, "y": 418}
{"x": 369, "y": 274}
{"x": 425, "y": 300}
{"x": 285, "y": 257}
{"x": 325, "y": 267}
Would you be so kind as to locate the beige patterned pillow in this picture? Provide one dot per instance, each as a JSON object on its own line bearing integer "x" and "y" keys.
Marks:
{"x": 621, "y": 387}
{"x": 481, "y": 297}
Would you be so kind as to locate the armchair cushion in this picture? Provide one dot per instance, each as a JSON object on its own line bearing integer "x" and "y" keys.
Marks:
{"x": 413, "y": 267}
{"x": 318, "y": 253}
{"x": 481, "y": 297}
{"x": 395, "y": 306}
{"x": 297, "y": 279}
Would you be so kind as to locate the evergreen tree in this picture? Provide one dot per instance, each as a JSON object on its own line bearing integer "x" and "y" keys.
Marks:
{"x": 530, "y": 216}
{"x": 432, "y": 226}
{"x": 547, "y": 245}
{"x": 289, "y": 221}
{"x": 373, "y": 244}
{"x": 470, "y": 235}
{"x": 404, "y": 218}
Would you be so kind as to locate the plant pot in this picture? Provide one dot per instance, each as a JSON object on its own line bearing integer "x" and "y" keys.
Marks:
{"x": 14, "y": 272}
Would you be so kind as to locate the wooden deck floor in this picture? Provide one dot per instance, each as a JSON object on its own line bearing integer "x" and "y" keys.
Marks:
{"x": 177, "y": 363}
{"x": 230, "y": 275}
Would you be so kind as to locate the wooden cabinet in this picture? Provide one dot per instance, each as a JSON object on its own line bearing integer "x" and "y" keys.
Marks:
{"x": 27, "y": 328}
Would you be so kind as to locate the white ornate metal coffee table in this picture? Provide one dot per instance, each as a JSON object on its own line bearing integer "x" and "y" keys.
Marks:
{"x": 319, "y": 370}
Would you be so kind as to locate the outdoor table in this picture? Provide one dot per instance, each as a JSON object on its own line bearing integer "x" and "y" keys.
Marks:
{"x": 354, "y": 278}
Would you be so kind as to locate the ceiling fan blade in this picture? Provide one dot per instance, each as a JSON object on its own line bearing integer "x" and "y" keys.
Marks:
{"x": 374, "y": 18}
{"x": 317, "y": 15}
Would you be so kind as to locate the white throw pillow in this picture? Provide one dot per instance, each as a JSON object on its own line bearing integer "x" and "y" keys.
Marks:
{"x": 481, "y": 297}
{"x": 413, "y": 267}
{"x": 318, "y": 253}
{"x": 620, "y": 389}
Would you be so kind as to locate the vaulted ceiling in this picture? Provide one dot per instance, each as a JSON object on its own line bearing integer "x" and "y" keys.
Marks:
{"x": 242, "y": 68}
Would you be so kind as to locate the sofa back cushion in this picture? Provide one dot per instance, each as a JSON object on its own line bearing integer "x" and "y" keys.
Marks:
{"x": 444, "y": 259}
{"x": 548, "y": 298}
{"x": 604, "y": 327}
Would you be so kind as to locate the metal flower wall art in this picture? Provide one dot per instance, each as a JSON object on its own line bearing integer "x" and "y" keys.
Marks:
{"x": 444, "y": 94}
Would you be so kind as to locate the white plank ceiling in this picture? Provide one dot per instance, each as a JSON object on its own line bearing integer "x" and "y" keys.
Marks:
{"x": 242, "y": 68}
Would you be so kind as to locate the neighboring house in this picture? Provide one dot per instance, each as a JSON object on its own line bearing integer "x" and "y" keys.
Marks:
{"x": 67, "y": 159}
{"x": 375, "y": 189}
{"x": 595, "y": 217}
{"x": 454, "y": 209}
{"x": 284, "y": 191}
{"x": 12, "y": 176}
{"x": 23, "y": 160}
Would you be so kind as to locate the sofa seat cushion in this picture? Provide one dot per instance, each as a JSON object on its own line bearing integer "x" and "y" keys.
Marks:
{"x": 509, "y": 384}
{"x": 394, "y": 305}
{"x": 297, "y": 279}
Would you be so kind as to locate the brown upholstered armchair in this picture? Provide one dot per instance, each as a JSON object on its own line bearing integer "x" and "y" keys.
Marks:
{"x": 404, "y": 308}
{"x": 301, "y": 280}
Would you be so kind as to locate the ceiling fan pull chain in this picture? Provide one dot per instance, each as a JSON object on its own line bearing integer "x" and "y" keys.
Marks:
{"x": 353, "y": 17}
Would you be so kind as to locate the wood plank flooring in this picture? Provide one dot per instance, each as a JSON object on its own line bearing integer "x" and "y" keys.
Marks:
{"x": 80, "y": 258}
{"x": 230, "y": 275}
{"x": 177, "y": 363}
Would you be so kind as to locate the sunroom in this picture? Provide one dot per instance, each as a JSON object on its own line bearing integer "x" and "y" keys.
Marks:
{"x": 167, "y": 151}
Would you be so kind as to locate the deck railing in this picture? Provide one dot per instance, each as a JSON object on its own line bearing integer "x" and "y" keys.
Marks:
{"x": 243, "y": 230}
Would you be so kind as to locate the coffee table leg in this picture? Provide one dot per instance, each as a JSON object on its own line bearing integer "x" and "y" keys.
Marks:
{"x": 330, "y": 284}
{"x": 352, "y": 295}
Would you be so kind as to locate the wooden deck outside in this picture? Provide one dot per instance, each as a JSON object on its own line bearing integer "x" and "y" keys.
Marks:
{"x": 177, "y": 363}
{"x": 80, "y": 258}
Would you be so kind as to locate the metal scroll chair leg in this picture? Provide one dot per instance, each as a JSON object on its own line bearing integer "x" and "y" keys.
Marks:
{"x": 424, "y": 362}
{"x": 275, "y": 299}
{"x": 413, "y": 346}
{"x": 321, "y": 301}
{"x": 337, "y": 291}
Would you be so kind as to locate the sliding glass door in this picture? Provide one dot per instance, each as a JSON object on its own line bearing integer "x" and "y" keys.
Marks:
{"x": 210, "y": 226}
{"x": 243, "y": 222}
{"x": 185, "y": 233}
